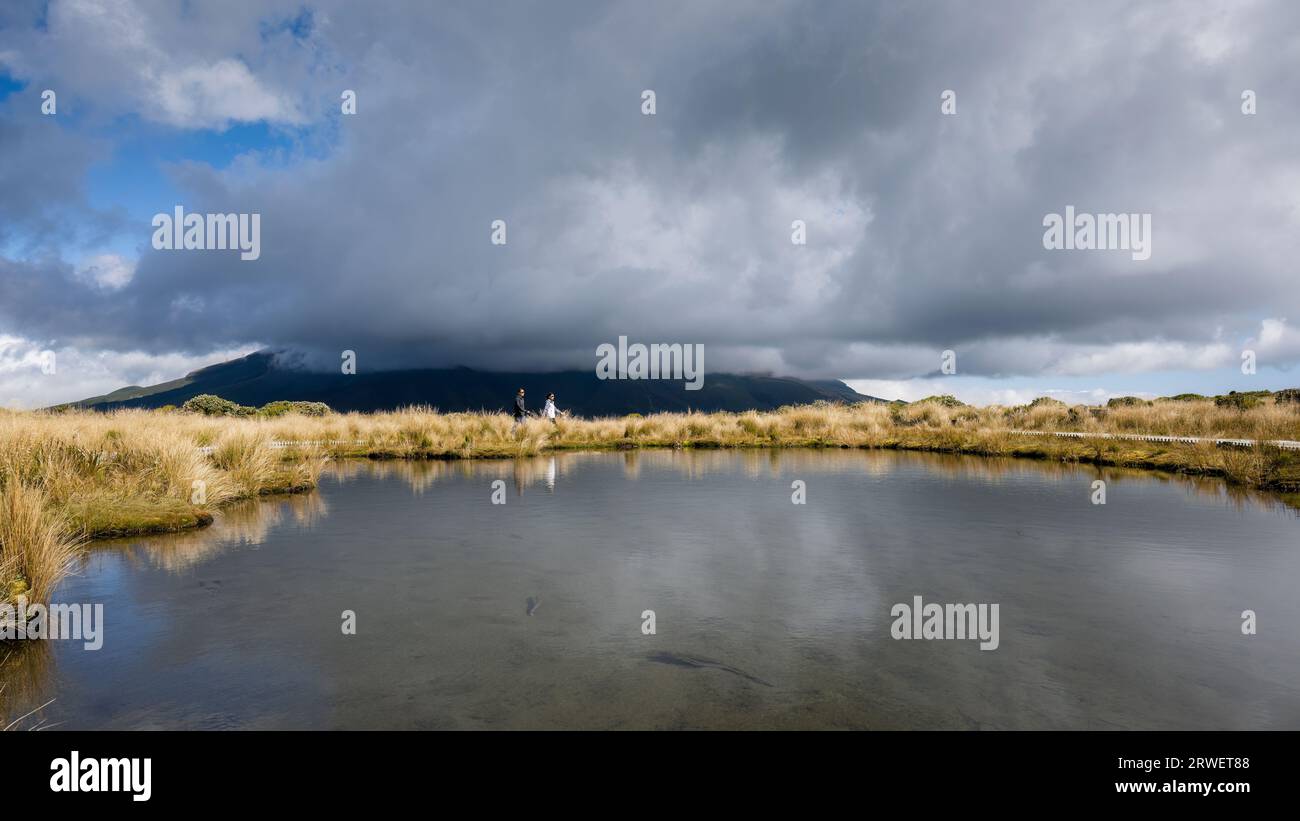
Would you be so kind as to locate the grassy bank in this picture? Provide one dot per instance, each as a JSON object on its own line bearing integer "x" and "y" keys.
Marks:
{"x": 75, "y": 475}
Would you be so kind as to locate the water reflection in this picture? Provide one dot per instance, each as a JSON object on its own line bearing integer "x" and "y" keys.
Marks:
{"x": 245, "y": 523}
{"x": 26, "y": 668}
{"x": 512, "y": 616}
{"x": 249, "y": 522}
{"x": 550, "y": 470}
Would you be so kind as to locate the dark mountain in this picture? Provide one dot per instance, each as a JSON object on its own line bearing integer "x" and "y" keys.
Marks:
{"x": 259, "y": 378}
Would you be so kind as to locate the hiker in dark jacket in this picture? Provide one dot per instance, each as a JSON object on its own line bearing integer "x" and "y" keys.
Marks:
{"x": 520, "y": 410}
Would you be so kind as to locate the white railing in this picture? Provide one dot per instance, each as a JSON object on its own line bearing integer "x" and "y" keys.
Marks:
{"x": 293, "y": 443}
{"x": 1286, "y": 444}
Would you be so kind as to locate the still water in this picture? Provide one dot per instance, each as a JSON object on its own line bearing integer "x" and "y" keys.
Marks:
{"x": 768, "y": 614}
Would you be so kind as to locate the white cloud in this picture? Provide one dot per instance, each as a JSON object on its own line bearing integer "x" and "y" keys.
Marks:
{"x": 124, "y": 57}
{"x": 1277, "y": 341}
{"x": 107, "y": 271}
{"x": 214, "y": 94}
{"x": 81, "y": 375}
{"x": 1140, "y": 357}
{"x": 980, "y": 393}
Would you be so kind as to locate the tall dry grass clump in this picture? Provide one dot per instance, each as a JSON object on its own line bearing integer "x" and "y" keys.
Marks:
{"x": 137, "y": 471}
{"x": 37, "y": 545}
{"x": 1205, "y": 418}
{"x": 245, "y": 458}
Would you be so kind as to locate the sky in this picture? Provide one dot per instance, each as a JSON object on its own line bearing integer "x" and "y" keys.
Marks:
{"x": 921, "y": 145}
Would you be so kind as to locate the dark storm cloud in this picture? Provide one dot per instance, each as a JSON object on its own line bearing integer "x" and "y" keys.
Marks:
{"x": 924, "y": 230}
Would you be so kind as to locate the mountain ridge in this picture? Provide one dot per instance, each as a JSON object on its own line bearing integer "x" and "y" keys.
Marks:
{"x": 256, "y": 379}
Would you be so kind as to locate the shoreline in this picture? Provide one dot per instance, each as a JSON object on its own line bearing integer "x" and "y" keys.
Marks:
{"x": 1085, "y": 451}
{"x": 77, "y": 476}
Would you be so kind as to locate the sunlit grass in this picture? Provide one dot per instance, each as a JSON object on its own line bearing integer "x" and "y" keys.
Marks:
{"x": 134, "y": 471}
{"x": 37, "y": 543}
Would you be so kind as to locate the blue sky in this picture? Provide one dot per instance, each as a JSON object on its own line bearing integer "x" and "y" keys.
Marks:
{"x": 135, "y": 175}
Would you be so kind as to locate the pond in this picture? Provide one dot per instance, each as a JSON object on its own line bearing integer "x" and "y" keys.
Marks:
{"x": 537, "y": 612}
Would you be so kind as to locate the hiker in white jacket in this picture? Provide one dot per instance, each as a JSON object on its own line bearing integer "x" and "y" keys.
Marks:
{"x": 549, "y": 410}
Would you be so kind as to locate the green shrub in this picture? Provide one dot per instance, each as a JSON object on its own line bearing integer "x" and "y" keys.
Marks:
{"x": 1127, "y": 402}
{"x": 281, "y": 407}
{"x": 209, "y": 405}
{"x": 1045, "y": 400}
{"x": 947, "y": 400}
{"x": 1239, "y": 401}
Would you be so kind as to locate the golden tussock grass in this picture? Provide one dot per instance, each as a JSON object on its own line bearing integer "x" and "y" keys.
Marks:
{"x": 130, "y": 471}
{"x": 37, "y": 545}
{"x": 66, "y": 477}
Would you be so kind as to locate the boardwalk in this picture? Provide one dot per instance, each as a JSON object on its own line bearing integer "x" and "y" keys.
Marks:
{"x": 1286, "y": 444}
{"x": 292, "y": 443}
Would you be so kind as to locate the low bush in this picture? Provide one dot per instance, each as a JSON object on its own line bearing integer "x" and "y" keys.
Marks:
{"x": 1239, "y": 401}
{"x": 209, "y": 405}
{"x": 1127, "y": 402}
{"x": 946, "y": 400}
{"x": 274, "y": 409}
